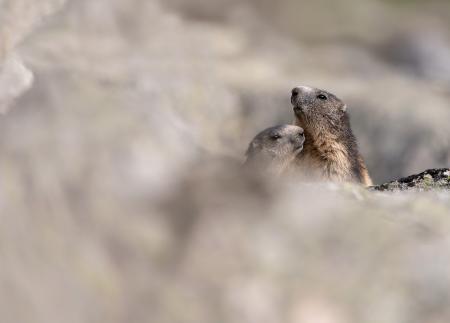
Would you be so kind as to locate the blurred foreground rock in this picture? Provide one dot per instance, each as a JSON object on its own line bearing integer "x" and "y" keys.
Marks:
{"x": 222, "y": 245}
{"x": 15, "y": 79}
{"x": 17, "y": 20}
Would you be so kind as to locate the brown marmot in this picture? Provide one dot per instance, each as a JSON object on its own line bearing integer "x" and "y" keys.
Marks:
{"x": 330, "y": 150}
{"x": 274, "y": 149}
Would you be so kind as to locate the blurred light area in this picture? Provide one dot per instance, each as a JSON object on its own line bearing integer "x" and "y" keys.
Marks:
{"x": 121, "y": 197}
{"x": 14, "y": 80}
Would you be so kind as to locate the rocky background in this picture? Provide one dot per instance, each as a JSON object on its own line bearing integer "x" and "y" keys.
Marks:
{"x": 124, "y": 124}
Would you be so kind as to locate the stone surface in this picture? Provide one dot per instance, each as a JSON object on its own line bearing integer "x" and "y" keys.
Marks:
{"x": 431, "y": 179}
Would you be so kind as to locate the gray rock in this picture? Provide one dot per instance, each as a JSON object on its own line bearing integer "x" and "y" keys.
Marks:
{"x": 431, "y": 179}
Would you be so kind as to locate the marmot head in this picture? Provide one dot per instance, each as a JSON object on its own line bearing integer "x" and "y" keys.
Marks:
{"x": 274, "y": 148}
{"x": 317, "y": 109}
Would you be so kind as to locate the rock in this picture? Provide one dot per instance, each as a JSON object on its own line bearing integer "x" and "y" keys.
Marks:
{"x": 17, "y": 20}
{"x": 431, "y": 179}
{"x": 425, "y": 54}
{"x": 15, "y": 79}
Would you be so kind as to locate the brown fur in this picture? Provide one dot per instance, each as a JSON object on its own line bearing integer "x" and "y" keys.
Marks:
{"x": 330, "y": 151}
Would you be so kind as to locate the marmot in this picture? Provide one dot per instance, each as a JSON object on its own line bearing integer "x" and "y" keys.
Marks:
{"x": 274, "y": 149}
{"x": 330, "y": 149}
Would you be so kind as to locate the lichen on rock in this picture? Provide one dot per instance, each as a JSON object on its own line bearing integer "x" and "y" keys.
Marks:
{"x": 431, "y": 179}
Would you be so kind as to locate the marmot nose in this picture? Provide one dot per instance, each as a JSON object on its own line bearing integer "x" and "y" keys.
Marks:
{"x": 295, "y": 91}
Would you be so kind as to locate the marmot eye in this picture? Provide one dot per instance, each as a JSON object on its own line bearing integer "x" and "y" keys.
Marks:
{"x": 322, "y": 97}
{"x": 275, "y": 136}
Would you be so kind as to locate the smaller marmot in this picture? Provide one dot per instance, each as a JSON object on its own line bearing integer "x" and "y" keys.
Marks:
{"x": 330, "y": 151}
{"x": 275, "y": 148}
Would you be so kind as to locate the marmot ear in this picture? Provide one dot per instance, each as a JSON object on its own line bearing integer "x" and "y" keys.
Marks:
{"x": 344, "y": 108}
